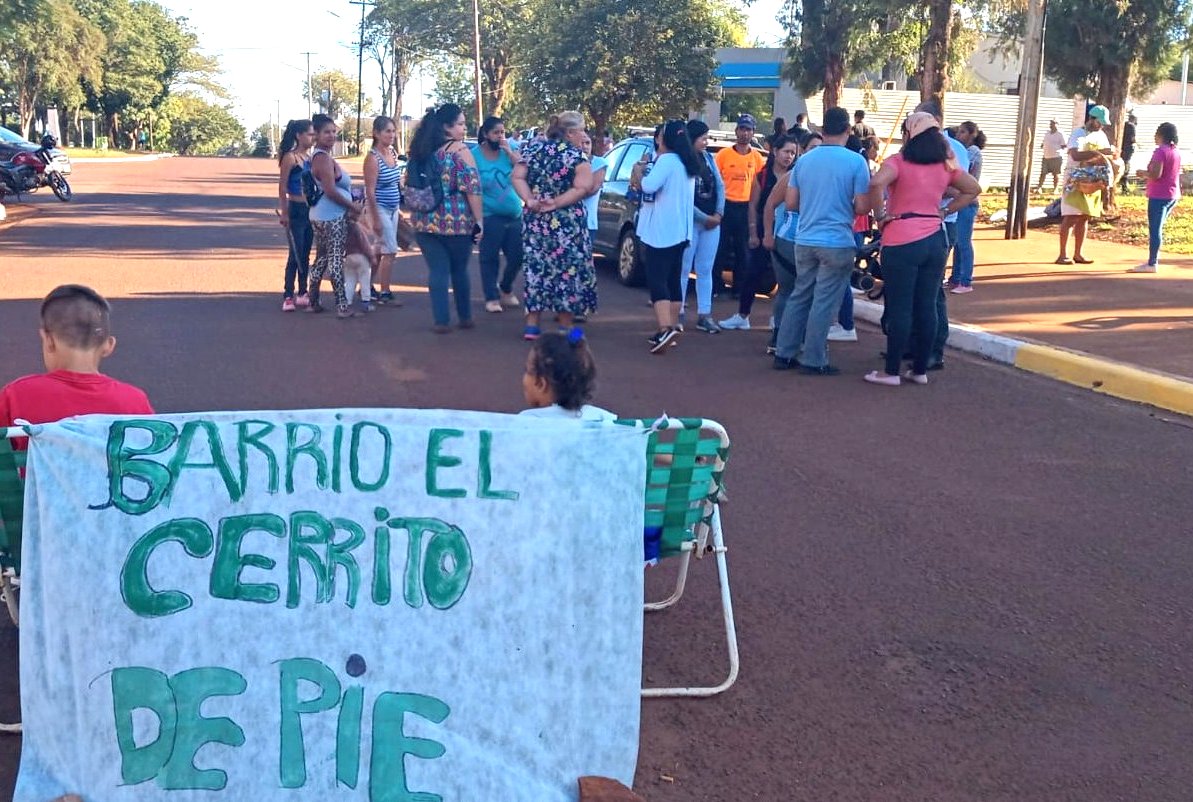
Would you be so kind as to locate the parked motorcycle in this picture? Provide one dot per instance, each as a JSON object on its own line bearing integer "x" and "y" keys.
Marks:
{"x": 28, "y": 171}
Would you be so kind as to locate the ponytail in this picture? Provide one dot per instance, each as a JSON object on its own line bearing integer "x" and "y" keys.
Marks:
{"x": 290, "y": 137}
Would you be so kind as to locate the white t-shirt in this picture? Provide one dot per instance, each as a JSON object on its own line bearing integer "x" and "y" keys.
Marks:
{"x": 1054, "y": 143}
{"x": 668, "y": 220}
{"x": 1081, "y": 139}
{"x": 586, "y": 414}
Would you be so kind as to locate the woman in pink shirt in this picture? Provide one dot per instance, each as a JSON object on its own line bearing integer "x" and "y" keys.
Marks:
{"x": 906, "y": 193}
{"x": 1163, "y": 176}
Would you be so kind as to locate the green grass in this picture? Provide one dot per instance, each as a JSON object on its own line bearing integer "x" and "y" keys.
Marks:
{"x": 1129, "y": 227}
{"x": 95, "y": 153}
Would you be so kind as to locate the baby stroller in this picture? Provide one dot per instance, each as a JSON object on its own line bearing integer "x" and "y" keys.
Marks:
{"x": 867, "y": 266}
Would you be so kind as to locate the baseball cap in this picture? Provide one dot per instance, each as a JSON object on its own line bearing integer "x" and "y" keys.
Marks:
{"x": 746, "y": 121}
{"x": 1100, "y": 114}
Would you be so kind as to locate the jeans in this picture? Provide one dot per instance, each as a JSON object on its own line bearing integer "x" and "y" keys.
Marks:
{"x": 783, "y": 259}
{"x": 963, "y": 247}
{"x": 302, "y": 237}
{"x": 662, "y": 271}
{"x": 942, "y": 301}
{"x": 845, "y": 313}
{"x": 502, "y": 233}
{"x": 1157, "y": 214}
{"x": 912, "y": 276}
{"x": 701, "y": 253}
{"x": 447, "y": 261}
{"x": 735, "y": 236}
{"x": 821, "y": 277}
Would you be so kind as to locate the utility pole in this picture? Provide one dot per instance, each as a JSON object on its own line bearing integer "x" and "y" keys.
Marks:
{"x": 360, "y": 67}
{"x": 476, "y": 43}
{"x": 310, "y": 89}
{"x": 1029, "y": 101}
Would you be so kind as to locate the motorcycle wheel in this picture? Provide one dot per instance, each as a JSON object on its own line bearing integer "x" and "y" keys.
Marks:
{"x": 60, "y": 186}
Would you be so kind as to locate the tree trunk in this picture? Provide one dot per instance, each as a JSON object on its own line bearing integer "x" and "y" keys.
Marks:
{"x": 935, "y": 79}
{"x": 1113, "y": 86}
{"x": 834, "y": 81}
{"x": 496, "y": 83}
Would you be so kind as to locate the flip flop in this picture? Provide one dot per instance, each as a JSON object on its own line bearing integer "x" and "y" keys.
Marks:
{"x": 1063, "y": 260}
{"x": 1081, "y": 260}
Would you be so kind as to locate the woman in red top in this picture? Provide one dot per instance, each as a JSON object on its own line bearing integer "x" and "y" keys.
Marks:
{"x": 914, "y": 243}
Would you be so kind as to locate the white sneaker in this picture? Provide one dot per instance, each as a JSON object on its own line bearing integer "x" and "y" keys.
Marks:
{"x": 837, "y": 334}
{"x": 736, "y": 322}
{"x": 1143, "y": 268}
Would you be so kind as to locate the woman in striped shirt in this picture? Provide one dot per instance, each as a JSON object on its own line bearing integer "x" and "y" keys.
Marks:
{"x": 383, "y": 198}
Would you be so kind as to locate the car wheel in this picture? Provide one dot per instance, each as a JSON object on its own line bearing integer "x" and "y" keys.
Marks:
{"x": 630, "y": 270}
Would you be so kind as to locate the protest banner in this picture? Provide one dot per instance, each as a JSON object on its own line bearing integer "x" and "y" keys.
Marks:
{"x": 381, "y": 605}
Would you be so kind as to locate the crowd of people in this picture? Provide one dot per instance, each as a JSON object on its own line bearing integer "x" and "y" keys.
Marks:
{"x": 797, "y": 209}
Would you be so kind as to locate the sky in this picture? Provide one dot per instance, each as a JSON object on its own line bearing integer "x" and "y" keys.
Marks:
{"x": 262, "y": 46}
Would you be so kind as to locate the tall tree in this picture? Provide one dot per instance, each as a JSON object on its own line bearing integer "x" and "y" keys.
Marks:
{"x": 149, "y": 52}
{"x": 335, "y": 91}
{"x": 605, "y": 56}
{"x": 934, "y": 79}
{"x": 829, "y": 40}
{"x": 200, "y": 127}
{"x": 45, "y": 53}
{"x": 1105, "y": 50}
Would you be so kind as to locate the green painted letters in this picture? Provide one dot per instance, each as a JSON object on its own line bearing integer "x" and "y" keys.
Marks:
{"x": 387, "y": 771}
{"x": 191, "y": 688}
{"x": 354, "y": 464}
{"x": 139, "y": 596}
{"x": 484, "y": 478}
{"x": 293, "y": 759}
{"x": 229, "y": 562}
{"x": 311, "y": 448}
{"x": 244, "y": 439}
{"x": 139, "y": 688}
{"x": 215, "y": 445}
{"x": 125, "y": 462}
{"x": 435, "y": 461}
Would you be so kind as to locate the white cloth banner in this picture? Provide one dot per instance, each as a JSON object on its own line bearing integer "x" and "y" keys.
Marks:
{"x": 382, "y": 605}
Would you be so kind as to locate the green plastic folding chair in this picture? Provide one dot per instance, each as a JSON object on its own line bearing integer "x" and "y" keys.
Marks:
{"x": 684, "y": 488}
{"x": 12, "y": 506}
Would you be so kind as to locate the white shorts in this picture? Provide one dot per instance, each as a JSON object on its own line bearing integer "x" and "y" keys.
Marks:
{"x": 389, "y": 231}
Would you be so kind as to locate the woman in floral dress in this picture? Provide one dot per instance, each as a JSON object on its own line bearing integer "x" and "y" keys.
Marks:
{"x": 553, "y": 178}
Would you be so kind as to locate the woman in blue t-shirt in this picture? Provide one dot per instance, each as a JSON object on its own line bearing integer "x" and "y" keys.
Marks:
{"x": 495, "y": 160}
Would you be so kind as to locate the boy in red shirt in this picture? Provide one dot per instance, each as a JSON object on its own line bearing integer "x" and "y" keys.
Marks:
{"x": 75, "y": 337}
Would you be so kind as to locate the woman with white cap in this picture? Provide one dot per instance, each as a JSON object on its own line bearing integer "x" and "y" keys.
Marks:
{"x": 914, "y": 243}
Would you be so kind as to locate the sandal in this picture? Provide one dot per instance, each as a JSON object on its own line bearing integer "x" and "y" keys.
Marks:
{"x": 1063, "y": 260}
{"x": 531, "y": 333}
{"x": 1081, "y": 260}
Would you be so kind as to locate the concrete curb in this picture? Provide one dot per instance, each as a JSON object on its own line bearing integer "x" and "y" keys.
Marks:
{"x": 152, "y": 157}
{"x": 1099, "y": 374}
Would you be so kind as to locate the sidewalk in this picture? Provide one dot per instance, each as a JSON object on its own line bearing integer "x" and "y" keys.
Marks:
{"x": 1094, "y": 325}
{"x": 1144, "y": 320}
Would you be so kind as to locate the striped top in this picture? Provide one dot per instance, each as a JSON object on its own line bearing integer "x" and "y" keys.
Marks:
{"x": 388, "y": 195}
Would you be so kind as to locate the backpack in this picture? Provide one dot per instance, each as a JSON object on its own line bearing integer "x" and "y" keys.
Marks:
{"x": 423, "y": 191}
{"x": 310, "y": 186}
{"x": 706, "y": 189}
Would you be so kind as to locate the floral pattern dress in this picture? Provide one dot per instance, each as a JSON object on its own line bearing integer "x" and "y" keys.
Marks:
{"x": 556, "y": 244}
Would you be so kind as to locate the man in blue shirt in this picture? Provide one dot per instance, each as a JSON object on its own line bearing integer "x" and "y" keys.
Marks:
{"x": 828, "y": 186}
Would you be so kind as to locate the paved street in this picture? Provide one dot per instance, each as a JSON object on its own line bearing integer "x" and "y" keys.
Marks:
{"x": 981, "y": 589}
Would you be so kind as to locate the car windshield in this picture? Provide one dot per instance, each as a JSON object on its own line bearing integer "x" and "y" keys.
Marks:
{"x": 12, "y": 138}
